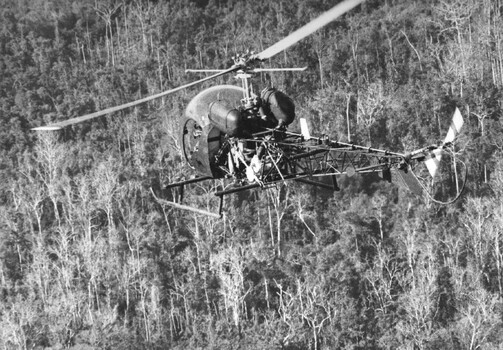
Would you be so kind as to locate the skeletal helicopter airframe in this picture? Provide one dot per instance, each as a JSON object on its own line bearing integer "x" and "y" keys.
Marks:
{"x": 230, "y": 132}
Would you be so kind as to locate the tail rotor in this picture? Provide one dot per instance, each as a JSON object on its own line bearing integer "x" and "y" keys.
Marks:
{"x": 436, "y": 183}
{"x": 434, "y": 158}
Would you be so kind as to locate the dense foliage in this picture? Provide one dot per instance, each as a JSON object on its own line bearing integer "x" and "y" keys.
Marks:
{"x": 89, "y": 260}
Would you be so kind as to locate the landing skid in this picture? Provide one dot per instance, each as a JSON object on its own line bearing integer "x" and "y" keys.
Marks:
{"x": 299, "y": 178}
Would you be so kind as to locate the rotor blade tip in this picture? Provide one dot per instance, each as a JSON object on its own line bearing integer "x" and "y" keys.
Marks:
{"x": 47, "y": 128}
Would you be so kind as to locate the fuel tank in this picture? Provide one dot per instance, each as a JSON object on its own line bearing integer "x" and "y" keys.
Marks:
{"x": 202, "y": 137}
{"x": 226, "y": 118}
{"x": 278, "y": 106}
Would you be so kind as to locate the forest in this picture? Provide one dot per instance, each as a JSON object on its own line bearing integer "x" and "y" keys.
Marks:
{"x": 89, "y": 260}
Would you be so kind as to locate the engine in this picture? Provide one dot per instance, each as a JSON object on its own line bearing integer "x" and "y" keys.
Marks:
{"x": 218, "y": 112}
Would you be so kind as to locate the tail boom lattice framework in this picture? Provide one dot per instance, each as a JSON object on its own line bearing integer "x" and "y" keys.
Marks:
{"x": 280, "y": 156}
{"x": 290, "y": 155}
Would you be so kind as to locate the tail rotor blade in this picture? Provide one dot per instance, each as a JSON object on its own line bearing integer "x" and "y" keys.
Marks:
{"x": 329, "y": 16}
{"x": 455, "y": 128}
{"x": 432, "y": 161}
{"x": 62, "y": 124}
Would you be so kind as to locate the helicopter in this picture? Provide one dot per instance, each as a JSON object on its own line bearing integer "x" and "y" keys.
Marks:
{"x": 233, "y": 133}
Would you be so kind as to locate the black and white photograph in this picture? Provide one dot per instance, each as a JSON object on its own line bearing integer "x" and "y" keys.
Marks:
{"x": 236, "y": 174}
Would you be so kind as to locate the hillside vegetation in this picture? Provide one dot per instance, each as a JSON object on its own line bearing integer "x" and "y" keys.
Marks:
{"x": 88, "y": 259}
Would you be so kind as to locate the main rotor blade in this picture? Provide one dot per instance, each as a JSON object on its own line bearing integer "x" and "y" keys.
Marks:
{"x": 297, "y": 69}
{"x": 254, "y": 70}
{"x": 329, "y": 16}
{"x": 62, "y": 124}
{"x": 203, "y": 70}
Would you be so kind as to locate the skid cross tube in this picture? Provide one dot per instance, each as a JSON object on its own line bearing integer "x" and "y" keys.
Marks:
{"x": 190, "y": 181}
{"x": 188, "y": 207}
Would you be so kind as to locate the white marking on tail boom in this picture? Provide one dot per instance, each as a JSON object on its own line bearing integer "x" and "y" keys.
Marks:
{"x": 304, "y": 129}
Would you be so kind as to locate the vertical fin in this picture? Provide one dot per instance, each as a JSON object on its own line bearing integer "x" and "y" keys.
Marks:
{"x": 407, "y": 179}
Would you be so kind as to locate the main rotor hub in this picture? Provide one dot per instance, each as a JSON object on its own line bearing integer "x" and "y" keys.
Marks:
{"x": 246, "y": 61}
{"x": 246, "y": 64}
